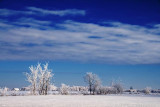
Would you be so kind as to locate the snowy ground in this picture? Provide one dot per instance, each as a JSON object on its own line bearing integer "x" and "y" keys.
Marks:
{"x": 79, "y": 101}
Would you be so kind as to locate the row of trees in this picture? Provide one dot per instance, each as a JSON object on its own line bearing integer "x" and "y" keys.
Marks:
{"x": 40, "y": 79}
{"x": 95, "y": 86}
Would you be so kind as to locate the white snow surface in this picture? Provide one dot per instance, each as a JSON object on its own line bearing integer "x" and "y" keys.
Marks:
{"x": 79, "y": 101}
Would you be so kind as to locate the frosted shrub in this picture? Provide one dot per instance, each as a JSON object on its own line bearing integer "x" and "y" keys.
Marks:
{"x": 147, "y": 90}
{"x": 107, "y": 90}
{"x": 64, "y": 89}
{"x": 103, "y": 90}
{"x": 14, "y": 93}
{"x": 3, "y": 91}
{"x": 112, "y": 90}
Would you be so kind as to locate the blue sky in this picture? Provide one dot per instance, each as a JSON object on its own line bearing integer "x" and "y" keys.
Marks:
{"x": 114, "y": 39}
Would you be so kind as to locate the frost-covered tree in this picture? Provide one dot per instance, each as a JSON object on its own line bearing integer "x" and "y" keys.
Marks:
{"x": 32, "y": 78}
{"x": 93, "y": 81}
{"x": 117, "y": 87}
{"x": 96, "y": 85}
{"x": 44, "y": 78}
{"x": 39, "y": 77}
{"x": 3, "y": 91}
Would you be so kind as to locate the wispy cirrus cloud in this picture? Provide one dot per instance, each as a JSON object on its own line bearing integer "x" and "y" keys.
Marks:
{"x": 112, "y": 43}
{"x": 57, "y": 12}
{"x": 40, "y": 12}
{"x": 8, "y": 12}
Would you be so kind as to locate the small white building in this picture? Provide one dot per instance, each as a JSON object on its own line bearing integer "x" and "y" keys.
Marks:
{"x": 133, "y": 91}
{"x": 15, "y": 89}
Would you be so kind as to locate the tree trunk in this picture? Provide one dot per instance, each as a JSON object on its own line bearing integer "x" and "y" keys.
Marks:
{"x": 90, "y": 89}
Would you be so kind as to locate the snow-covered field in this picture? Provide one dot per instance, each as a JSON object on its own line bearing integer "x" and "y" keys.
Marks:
{"x": 79, "y": 101}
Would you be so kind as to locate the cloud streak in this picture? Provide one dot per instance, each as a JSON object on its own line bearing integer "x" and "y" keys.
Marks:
{"x": 42, "y": 12}
{"x": 112, "y": 42}
{"x": 57, "y": 12}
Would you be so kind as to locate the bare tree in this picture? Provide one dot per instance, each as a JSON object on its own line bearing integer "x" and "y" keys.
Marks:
{"x": 39, "y": 78}
{"x": 93, "y": 81}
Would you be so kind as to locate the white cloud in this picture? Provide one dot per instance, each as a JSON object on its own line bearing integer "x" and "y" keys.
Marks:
{"x": 30, "y": 22}
{"x": 57, "y": 12}
{"x": 40, "y": 12}
{"x": 116, "y": 43}
{"x": 8, "y": 12}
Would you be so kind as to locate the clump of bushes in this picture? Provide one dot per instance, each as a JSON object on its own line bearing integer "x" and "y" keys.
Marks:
{"x": 115, "y": 89}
